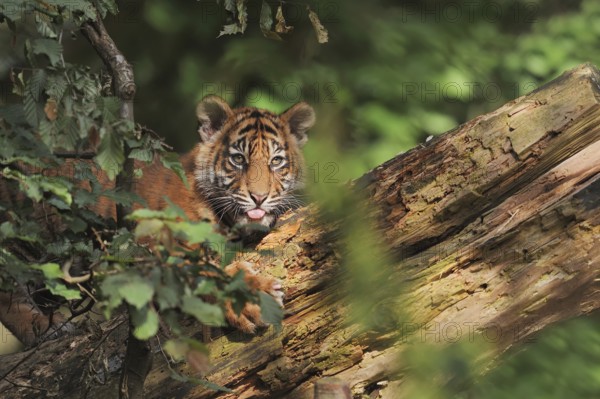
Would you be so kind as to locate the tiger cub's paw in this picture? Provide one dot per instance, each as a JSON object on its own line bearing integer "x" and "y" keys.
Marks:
{"x": 250, "y": 317}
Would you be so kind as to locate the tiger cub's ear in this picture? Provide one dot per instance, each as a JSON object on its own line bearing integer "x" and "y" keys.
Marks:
{"x": 300, "y": 118}
{"x": 212, "y": 112}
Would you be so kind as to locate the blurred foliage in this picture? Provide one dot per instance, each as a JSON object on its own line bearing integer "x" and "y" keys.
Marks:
{"x": 390, "y": 74}
{"x": 560, "y": 362}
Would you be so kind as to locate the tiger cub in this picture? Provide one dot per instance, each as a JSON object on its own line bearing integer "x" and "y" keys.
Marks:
{"x": 244, "y": 170}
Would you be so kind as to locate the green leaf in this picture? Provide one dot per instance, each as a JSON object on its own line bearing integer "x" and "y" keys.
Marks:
{"x": 105, "y": 6}
{"x": 148, "y": 228}
{"x": 237, "y": 283}
{"x": 110, "y": 106}
{"x": 266, "y": 17}
{"x": 30, "y": 108}
{"x": 56, "y": 86}
{"x": 146, "y": 323}
{"x": 169, "y": 213}
{"x": 128, "y": 287}
{"x": 48, "y": 130}
{"x": 196, "y": 232}
{"x": 207, "y": 313}
{"x": 60, "y": 289}
{"x": 142, "y": 154}
{"x": 58, "y": 247}
{"x": 171, "y": 161}
{"x": 110, "y": 154}
{"x": 140, "y": 214}
{"x": 58, "y": 203}
{"x": 48, "y": 47}
{"x": 83, "y": 197}
{"x": 36, "y": 84}
{"x": 177, "y": 348}
{"x": 270, "y": 310}
{"x": 59, "y": 187}
{"x": 34, "y": 186}
{"x": 50, "y": 270}
{"x": 205, "y": 287}
{"x": 63, "y": 133}
{"x": 44, "y": 27}
{"x": 137, "y": 292}
{"x": 167, "y": 297}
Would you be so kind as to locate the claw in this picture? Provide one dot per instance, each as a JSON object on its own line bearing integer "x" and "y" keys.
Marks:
{"x": 277, "y": 293}
{"x": 250, "y": 318}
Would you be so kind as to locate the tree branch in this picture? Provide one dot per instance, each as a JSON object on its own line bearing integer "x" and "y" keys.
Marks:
{"x": 138, "y": 358}
{"x": 120, "y": 69}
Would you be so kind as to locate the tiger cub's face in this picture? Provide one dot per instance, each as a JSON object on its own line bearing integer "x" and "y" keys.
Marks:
{"x": 250, "y": 160}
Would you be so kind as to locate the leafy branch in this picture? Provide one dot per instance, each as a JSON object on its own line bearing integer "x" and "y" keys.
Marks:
{"x": 238, "y": 9}
{"x": 61, "y": 148}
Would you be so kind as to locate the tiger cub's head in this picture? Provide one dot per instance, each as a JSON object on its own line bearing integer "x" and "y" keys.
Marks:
{"x": 250, "y": 160}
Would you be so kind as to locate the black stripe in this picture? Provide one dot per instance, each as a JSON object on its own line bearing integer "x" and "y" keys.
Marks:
{"x": 238, "y": 123}
{"x": 252, "y": 146}
{"x": 226, "y": 141}
{"x": 275, "y": 120}
{"x": 240, "y": 144}
{"x": 270, "y": 130}
{"x": 247, "y": 128}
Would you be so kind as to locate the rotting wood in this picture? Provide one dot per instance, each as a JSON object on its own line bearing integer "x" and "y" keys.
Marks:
{"x": 495, "y": 225}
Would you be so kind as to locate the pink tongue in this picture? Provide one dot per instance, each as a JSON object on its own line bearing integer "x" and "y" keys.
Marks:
{"x": 255, "y": 214}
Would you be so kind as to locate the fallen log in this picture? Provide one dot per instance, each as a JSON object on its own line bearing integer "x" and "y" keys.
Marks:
{"x": 494, "y": 227}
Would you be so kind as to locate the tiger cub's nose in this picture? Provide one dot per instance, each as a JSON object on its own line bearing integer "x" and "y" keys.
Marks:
{"x": 258, "y": 198}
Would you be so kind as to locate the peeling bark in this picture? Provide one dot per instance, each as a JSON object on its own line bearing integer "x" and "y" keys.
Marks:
{"x": 495, "y": 224}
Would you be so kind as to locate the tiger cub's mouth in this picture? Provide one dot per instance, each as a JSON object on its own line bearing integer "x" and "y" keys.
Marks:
{"x": 255, "y": 214}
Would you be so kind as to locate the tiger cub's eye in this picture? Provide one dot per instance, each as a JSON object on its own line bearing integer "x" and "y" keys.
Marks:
{"x": 276, "y": 161}
{"x": 238, "y": 159}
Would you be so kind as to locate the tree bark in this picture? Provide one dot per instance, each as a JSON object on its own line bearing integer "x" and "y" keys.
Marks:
{"x": 493, "y": 226}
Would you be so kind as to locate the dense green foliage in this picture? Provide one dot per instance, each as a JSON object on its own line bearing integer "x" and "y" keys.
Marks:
{"x": 390, "y": 75}
{"x": 50, "y": 231}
